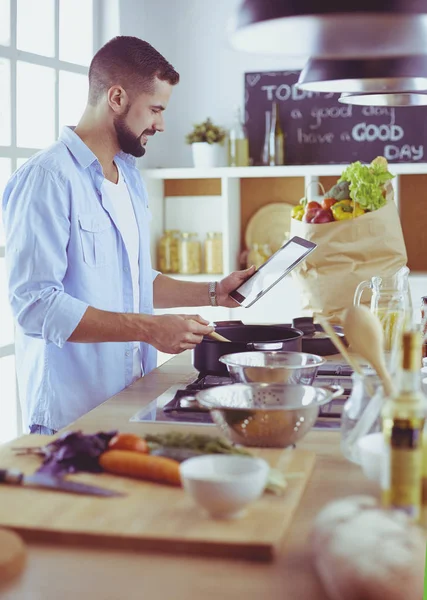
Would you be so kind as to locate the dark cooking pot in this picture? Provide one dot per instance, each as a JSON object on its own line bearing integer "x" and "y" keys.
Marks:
{"x": 244, "y": 338}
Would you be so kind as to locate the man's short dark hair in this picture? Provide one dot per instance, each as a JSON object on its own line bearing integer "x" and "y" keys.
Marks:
{"x": 129, "y": 62}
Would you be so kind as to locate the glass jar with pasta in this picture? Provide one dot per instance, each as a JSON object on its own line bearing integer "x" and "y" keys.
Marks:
{"x": 165, "y": 252}
{"x": 175, "y": 250}
{"x": 213, "y": 253}
{"x": 190, "y": 261}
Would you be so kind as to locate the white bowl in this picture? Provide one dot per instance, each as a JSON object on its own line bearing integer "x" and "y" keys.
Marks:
{"x": 371, "y": 450}
{"x": 223, "y": 485}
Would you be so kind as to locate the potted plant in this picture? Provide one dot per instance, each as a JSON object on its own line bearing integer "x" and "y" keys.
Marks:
{"x": 207, "y": 145}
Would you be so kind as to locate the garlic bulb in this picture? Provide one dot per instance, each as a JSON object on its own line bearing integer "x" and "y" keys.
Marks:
{"x": 362, "y": 552}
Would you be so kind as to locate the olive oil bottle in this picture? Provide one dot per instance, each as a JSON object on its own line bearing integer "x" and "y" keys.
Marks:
{"x": 277, "y": 139}
{"x": 403, "y": 419}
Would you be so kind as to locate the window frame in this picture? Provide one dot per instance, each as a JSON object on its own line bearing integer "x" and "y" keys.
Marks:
{"x": 13, "y": 54}
{"x": 14, "y": 152}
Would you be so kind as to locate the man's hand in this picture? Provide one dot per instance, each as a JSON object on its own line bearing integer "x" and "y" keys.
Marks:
{"x": 175, "y": 333}
{"x": 229, "y": 284}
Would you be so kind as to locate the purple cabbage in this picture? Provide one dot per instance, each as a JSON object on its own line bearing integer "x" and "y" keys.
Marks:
{"x": 73, "y": 451}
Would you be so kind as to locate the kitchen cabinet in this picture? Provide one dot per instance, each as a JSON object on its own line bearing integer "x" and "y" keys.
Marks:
{"x": 224, "y": 199}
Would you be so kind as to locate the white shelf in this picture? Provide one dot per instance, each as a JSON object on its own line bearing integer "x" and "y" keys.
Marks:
{"x": 286, "y": 171}
{"x": 284, "y": 302}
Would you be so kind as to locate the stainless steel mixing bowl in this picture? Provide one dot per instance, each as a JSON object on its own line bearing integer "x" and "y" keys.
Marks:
{"x": 263, "y": 414}
{"x": 273, "y": 367}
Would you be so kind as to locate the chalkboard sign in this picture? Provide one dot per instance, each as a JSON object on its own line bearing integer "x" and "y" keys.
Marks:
{"x": 320, "y": 130}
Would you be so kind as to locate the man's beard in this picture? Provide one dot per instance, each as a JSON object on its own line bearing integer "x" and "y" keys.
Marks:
{"x": 129, "y": 142}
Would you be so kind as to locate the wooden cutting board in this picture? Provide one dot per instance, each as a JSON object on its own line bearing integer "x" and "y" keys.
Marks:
{"x": 151, "y": 516}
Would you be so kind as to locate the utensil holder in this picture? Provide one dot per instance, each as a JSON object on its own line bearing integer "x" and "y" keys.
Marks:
{"x": 361, "y": 413}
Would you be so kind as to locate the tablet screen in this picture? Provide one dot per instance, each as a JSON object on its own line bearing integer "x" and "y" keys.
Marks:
{"x": 272, "y": 271}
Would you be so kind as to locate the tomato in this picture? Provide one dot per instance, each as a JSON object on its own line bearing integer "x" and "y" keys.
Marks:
{"x": 312, "y": 204}
{"x": 323, "y": 216}
{"x": 328, "y": 202}
{"x": 310, "y": 213}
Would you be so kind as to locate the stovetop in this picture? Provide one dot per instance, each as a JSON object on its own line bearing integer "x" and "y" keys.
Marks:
{"x": 177, "y": 404}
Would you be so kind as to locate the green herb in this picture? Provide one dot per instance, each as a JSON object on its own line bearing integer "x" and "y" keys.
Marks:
{"x": 201, "y": 443}
{"x": 206, "y": 132}
{"x": 205, "y": 444}
{"x": 367, "y": 183}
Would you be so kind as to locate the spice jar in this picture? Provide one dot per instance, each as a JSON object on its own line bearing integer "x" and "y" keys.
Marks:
{"x": 213, "y": 253}
{"x": 258, "y": 254}
{"x": 190, "y": 256}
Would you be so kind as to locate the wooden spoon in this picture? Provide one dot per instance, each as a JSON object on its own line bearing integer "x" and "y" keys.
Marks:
{"x": 365, "y": 334}
{"x": 354, "y": 364}
{"x": 219, "y": 338}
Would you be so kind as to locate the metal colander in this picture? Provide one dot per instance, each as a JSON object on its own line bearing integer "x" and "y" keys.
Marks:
{"x": 273, "y": 367}
{"x": 263, "y": 414}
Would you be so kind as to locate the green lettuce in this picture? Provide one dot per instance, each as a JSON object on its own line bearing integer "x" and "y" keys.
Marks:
{"x": 366, "y": 183}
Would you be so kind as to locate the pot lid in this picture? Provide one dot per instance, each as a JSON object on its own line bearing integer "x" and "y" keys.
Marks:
{"x": 382, "y": 99}
{"x": 398, "y": 74}
{"x": 331, "y": 29}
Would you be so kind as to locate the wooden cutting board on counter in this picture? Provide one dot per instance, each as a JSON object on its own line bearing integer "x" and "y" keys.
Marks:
{"x": 151, "y": 516}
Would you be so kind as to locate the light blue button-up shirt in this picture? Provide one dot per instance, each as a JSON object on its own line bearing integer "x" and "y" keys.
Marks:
{"x": 64, "y": 252}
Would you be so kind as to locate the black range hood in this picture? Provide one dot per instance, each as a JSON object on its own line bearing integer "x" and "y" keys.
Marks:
{"x": 331, "y": 29}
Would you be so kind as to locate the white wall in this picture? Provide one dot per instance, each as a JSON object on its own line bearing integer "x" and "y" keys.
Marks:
{"x": 192, "y": 35}
{"x": 109, "y": 25}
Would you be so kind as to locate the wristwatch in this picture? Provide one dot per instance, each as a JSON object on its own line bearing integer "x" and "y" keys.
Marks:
{"x": 212, "y": 293}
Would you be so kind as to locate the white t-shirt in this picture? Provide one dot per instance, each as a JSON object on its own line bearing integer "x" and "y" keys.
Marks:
{"x": 124, "y": 216}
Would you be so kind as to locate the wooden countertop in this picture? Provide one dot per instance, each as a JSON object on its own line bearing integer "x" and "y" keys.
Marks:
{"x": 55, "y": 572}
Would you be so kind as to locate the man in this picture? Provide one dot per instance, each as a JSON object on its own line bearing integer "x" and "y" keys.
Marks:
{"x": 81, "y": 284}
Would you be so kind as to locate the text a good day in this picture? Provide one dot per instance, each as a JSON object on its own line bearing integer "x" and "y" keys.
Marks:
{"x": 363, "y": 132}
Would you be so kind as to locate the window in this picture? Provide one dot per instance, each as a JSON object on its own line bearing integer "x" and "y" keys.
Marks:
{"x": 73, "y": 91}
{"x": 5, "y": 103}
{"x": 72, "y": 29}
{"x": 5, "y": 22}
{"x": 8, "y": 398}
{"x": 35, "y": 113}
{"x": 6, "y": 328}
{"x": 5, "y": 173}
{"x": 45, "y": 49}
{"x": 36, "y": 27}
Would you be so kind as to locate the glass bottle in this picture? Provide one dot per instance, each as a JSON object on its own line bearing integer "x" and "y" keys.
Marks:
{"x": 403, "y": 419}
{"x": 190, "y": 254}
{"x": 265, "y": 154}
{"x": 355, "y": 407}
{"x": 276, "y": 139}
{"x": 238, "y": 143}
{"x": 424, "y": 325}
{"x": 213, "y": 253}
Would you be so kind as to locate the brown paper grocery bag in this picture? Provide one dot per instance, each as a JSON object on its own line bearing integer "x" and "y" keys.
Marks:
{"x": 348, "y": 252}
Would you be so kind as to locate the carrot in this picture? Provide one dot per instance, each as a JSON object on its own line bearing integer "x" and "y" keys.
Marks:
{"x": 141, "y": 466}
{"x": 128, "y": 441}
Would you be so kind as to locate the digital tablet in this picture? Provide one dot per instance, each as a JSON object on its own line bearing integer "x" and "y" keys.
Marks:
{"x": 272, "y": 271}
